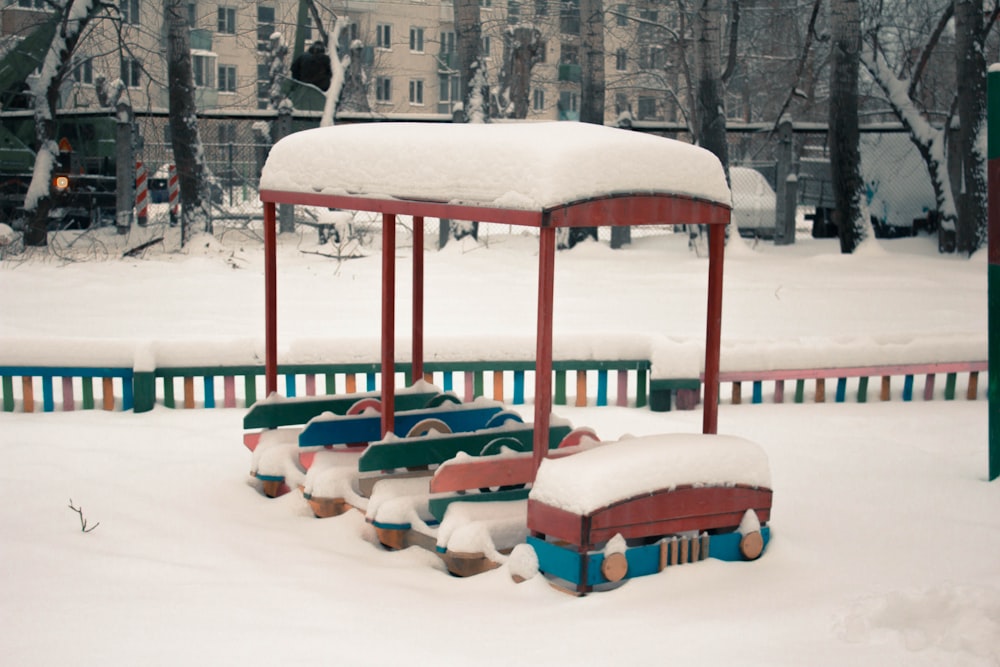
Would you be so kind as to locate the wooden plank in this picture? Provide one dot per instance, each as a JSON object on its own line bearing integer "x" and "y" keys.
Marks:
{"x": 68, "y": 400}
{"x": 299, "y": 411}
{"x": 27, "y": 393}
{"x": 972, "y": 392}
{"x": 886, "y": 393}
{"x": 602, "y": 387}
{"x": 779, "y": 391}
{"x": 559, "y": 394}
{"x": 863, "y": 389}
{"x": 758, "y": 392}
{"x": 518, "y": 387}
{"x": 330, "y": 384}
{"x": 908, "y": 388}
{"x": 820, "y": 390}
{"x": 108, "y": 390}
{"x": 556, "y": 523}
{"x": 351, "y": 383}
{"x": 581, "y": 389}
{"x": 437, "y": 506}
{"x": 290, "y": 389}
{"x": 855, "y": 371}
{"x": 7, "y": 383}
{"x": 48, "y": 399}
{"x": 470, "y": 387}
{"x": 483, "y": 472}
{"x": 641, "y": 388}
{"x": 841, "y": 390}
{"x": 189, "y": 392}
{"x": 310, "y": 384}
{"x": 88, "y": 393}
{"x": 478, "y": 384}
{"x": 621, "y": 400}
{"x": 229, "y": 391}
{"x": 800, "y": 390}
{"x": 737, "y": 393}
{"x": 498, "y": 386}
{"x": 343, "y": 429}
{"x": 250, "y": 389}
{"x": 209, "y": 390}
{"x": 929, "y": 387}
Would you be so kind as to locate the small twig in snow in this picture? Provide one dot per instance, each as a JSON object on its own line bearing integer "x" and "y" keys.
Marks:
{"x": 83, "y": 520}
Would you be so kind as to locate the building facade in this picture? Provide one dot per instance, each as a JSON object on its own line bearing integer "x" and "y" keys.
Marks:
{"x": 407, "y": 50}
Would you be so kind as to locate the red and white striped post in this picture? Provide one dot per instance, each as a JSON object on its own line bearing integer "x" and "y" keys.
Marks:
{"x": 141, "y": 194}
{"x": 173, "y": 193}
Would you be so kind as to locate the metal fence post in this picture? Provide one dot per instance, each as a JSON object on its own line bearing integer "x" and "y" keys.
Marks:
{"x": 784, "y": 210}
{"x": 286, "y": 212}
{"x": 993, "y": 284}
{"x": 124, "y": 169}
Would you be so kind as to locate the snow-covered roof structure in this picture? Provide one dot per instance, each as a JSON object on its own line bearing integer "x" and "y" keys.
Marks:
{"x": 499, "y": 170}
{"x": 544, "y": 175}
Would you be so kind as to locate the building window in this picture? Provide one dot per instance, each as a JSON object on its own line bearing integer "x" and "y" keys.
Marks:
{"x": 541, "y": 7}
{"x": 265, "y": 27}
{"x": 227, "y": 133}
{"x": 569, "y": 106}
{"x": 416, "y": 91}
{"x": 203, "y": 69}
{"x": 227, "y": 20}
{"x": 486, "y": 45}
{"x": 130, "y": 12}
{"x": 621, "y": 16}
{"x": 383, "y": 89}
{"x": 569, "y": 17}
{"x": 513, "y": 12}
{"x": 621, "y": 60}
{"x": 569, "y": 54}
{"x": 84, "y": 72}
{"x": 192, "y": 14}
{"x": 227, "y": 78}
{"x": 652, "y": 57}
{"x": 348, "y": 34}
{"x": 448, "y": 85}
{"x": 647, "y": 108}
{"x": 486, "y": 3}
{"x": 447, "y": 42}
{"x": 263, "y": 86}
{"x": 538, "y": 99}
{"x": 32, "y": 4}
{"x": 130, "y": 72}
{"x": 417, "y": 39}
{"x": 383, "y": 36}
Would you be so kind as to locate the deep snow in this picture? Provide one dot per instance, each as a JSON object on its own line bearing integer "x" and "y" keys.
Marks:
{"x": 885, "y": 532}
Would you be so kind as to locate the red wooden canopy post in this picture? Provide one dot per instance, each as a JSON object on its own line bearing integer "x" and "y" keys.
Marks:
{"x": 388, "y": 322}
{"x": 543, "y": 346}
{"x": 418, "y": 299}
{"x": 270, "y": 299}
{"x": 713, "y": 329}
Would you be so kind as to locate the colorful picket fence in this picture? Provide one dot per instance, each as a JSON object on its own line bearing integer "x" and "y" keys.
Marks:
{"x": 623, "y": 383}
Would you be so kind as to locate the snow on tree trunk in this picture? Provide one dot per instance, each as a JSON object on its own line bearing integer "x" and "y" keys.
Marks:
{"x": 73, "y": 19}
{"x": 592, "y": 71}
{"x": 471, "y": 67}
{"x": 339, "y": 66}
{"x": 970, "y": 68}
{"x": 710, "y": 103}
{"x": 522, "y": 49}
{"x": 930, "y": 141}
{"x": 845, "y": 157}
{"x": 189, "y": 155}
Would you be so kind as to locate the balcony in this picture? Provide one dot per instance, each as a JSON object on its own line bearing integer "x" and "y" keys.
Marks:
{"x": 570, "y": 73}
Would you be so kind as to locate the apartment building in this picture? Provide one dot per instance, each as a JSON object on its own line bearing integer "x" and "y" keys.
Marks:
{"x": 407, "y": 48}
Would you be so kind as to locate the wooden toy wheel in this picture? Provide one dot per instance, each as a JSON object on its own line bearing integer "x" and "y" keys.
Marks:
{"x": 576, "y": 436}
{"x": 495, "y": 446}
{"x": 441, "y": 399}
{"x": 426, "y": 426}
{"x": 752, "y": 545}
{"x": 364, "y": 404}
{"x": 503, "y": 417}
{"x": 614, "y": 567}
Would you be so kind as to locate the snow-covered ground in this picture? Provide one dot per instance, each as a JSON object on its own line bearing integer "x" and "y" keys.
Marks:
{"x": 885, "y": 531}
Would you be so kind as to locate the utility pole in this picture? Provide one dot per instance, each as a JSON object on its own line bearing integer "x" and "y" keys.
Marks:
{"x": 993, "y": 284}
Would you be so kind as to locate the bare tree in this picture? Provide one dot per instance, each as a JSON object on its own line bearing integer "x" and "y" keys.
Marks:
{"x": 522, "y": 50}
{"x": 845, "y": 156}
{"x": 71, "y": 20}
{"x": 592, "y": 65}
{"x": 189, "y": 154}
{"x": 970, "y": 70}
{"x": 710, "y": 100}
{"x": 471, "y": 65}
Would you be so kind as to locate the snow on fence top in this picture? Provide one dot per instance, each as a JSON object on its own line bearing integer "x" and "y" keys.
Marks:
{"x": 519, "y": 166}
{"x": 632, "y": 467}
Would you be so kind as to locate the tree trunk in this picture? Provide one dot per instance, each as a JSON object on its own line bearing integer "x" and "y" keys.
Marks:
{"x": 185, "y": 140}
{"x": 522, "y": 49}
{"x": 592, "y": 70}
{"x": 45, "y": 95}
{"x": 470, "y": 66}
{"x": 970, "y": 66}
{"x": 710, "y": 103}
{"x": 845, "y": 157}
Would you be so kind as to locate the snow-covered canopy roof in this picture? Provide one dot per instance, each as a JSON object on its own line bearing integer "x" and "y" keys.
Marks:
{"x": 526, "y": 168}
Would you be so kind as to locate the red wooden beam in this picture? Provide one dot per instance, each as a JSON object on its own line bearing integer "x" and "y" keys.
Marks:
{"x": 388, "y": 322}
{"x": 543, "y": 345}
{"x": 270, "y": 300}
{"x": 418, "y": 299}
{"x": 713, "y": 333}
